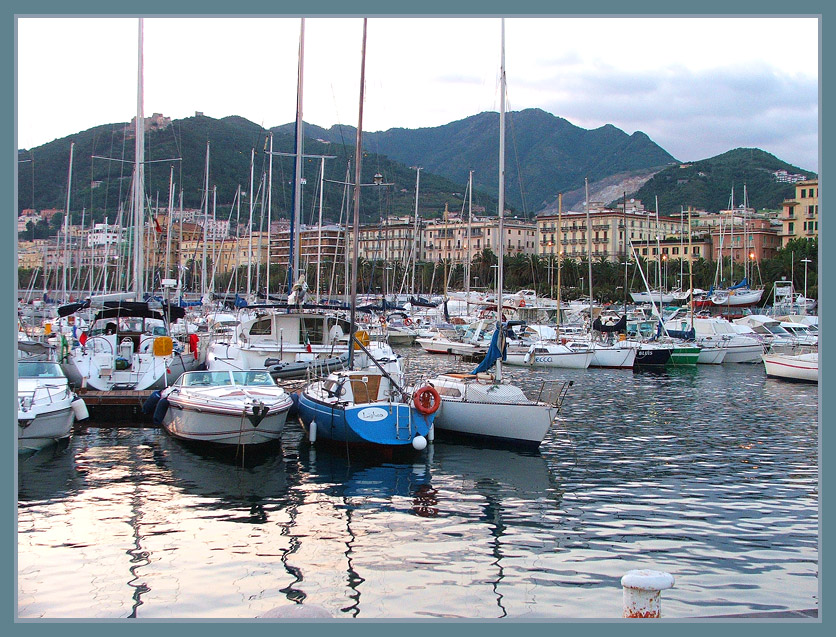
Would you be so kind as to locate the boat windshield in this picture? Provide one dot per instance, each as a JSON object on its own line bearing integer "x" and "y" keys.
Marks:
{"x": 253, "y": 378}
{"x": 38, "y": 369}
{"x": 205, "y": 379}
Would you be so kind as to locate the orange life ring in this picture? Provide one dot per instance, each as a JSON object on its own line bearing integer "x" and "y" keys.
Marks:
{"x": 407, "y": 321}
{"x": 427, "y": 400}
{"x": 522, "y": 302}
{"x": 382, "y": 320}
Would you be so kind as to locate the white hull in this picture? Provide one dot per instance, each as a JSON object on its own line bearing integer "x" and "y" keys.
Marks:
{"x": 743, "y": 353}
{"x": 565, "y": 360}
{"x": 613, "y": 356}
{"x": 220, "y": 428}
{"x": 46, "y": 428}
{"x": 712, "y": 355}
{"x": 524, "y": 424}
{"x": 803, "y": 367}
{"x": 737, "y": 298}
{"x": 654, "y": 297}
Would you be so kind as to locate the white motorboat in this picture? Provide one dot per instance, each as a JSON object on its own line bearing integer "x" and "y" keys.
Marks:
{"x": 47, "y": 407}
{"x": 223, "y": 407}
{"x": 274, "y": 337}
{"x": 718, "y": 332}
{"x": 654, "y": 296}
{"x": 802, "y": 367}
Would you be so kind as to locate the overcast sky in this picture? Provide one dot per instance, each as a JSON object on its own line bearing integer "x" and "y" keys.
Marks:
{"x": 698, "y": 86}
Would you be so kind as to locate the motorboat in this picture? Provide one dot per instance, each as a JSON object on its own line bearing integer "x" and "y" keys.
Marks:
{"x": 47, "y": 406}
{"x": 274, "y": 336}
{"x": 717, "y": 331}
{"x": 222, "y": 407}
{"x": 801, "y": 367}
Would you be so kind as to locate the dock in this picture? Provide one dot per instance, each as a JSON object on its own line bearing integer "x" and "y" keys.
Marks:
{"x": 116, "y": 405}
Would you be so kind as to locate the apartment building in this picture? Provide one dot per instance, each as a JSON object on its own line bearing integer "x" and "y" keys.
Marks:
{"x": 800, "y": 216}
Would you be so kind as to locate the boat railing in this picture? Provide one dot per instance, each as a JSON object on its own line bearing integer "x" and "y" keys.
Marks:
{"x": 553, "y": 392}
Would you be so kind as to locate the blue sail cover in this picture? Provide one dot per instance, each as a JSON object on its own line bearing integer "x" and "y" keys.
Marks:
{"x": 743, "y": 284}
{"x": 498, "y": 348}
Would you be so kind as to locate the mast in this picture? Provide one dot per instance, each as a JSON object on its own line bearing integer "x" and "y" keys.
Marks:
{"x": 559, "y": 255}
{"x": 139, "y": 177}
{"x": 691, "y": 267}
{"x": 355, "y": 239}
{"x": 626, "y": 256}
{"x": 205, "y": 223}
{"x": 416, "y": 244}
{"x": 297, "y": 192}
{"x": 319, "y": 228}
{"x": 269, "y": 217}
{"x": 588, "y": 242}
{"x": 250, "y": 228}
{"x": 469, "y": 233}
{"x": 168, "y": 223}
{"x": 501, "y": 205}
{"x": 67, "y": 222}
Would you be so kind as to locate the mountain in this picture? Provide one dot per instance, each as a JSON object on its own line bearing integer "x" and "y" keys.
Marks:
{"x": 544, "y": 154}
{"x": 707, "y": 184}
{"x": 100, "y": 184}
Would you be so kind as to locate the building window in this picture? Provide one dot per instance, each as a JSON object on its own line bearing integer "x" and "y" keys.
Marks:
{"x": 803, "y": 193}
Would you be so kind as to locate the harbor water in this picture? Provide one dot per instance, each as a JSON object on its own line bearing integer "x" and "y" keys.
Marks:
{"x": 707, "y": 473}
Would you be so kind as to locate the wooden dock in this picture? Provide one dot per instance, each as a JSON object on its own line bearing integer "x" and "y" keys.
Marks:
{"x": 116, "y": 407}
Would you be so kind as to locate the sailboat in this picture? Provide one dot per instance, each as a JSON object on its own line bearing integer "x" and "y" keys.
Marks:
{"x": 482, "y": 404}
{"x": 367, "y": 404}
{"x": 128, "y": 345}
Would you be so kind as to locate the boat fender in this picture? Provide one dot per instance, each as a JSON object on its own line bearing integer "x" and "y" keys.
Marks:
{"x": 427, "y": 400}
{"x": 419, "y": 443}
{"x": 294, "y": 408}
{"x": 160, "y": 411}
{"x": 80, "y": 409}
{"x": 150, "y": 403}
{"x": 312, "y": 431}
{"x": 431, "y": 433}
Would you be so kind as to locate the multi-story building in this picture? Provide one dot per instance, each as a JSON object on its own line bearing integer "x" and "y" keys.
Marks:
{"x": 611, "y": 230}
{"x": 800, "y": 218}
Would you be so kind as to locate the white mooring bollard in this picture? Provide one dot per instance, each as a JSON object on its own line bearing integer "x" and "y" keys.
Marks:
{"x": 642, "y": 592}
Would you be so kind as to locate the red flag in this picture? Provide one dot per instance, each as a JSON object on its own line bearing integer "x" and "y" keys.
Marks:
{"x": 157, "y": 223}
{"x": 83, "y": 338}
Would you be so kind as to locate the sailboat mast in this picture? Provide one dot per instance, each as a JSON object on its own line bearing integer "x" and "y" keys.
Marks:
{"x": 355, "y": 239}
{"x": 168, "y": 223}
{"x": 501, "y": 203}
{"x": 297, "y": 193}
{"x": 469, "y": 234}
{"x": 691, "y": 267}
{"x": 559, "y": 254}
{"x": 269, "y": 195}
{"x": 205, "y": 224}
{"x": 588, "y": 242}
{"x": 67, "y": 222}
{"x": 250, "y": 227}
{"x": 416, "y": 244}
{"x": 319, "y": 230}
{"x": 139, "y": 175}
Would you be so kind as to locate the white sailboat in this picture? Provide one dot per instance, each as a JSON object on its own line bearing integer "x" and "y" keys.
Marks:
{"x": 482, "y": 404}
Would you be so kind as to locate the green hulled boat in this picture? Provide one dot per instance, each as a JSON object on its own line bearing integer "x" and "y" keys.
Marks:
{"x": 684, "y": 355}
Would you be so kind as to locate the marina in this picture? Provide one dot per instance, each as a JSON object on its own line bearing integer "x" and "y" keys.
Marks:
{"x": 707, "y": 473}
{"x": 369, "y": 434}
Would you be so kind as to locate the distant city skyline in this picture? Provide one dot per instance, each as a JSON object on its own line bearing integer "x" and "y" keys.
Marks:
{"x": 692, "y": 84}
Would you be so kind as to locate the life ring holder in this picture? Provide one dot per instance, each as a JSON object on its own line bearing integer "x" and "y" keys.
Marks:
{"x": 423, "y": 396}
{"x": 407, "y": 321}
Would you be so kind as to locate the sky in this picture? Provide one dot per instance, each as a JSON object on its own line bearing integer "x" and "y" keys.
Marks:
{"x": 697, "y": 86}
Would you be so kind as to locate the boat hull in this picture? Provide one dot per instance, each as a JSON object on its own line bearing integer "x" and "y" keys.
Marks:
{"x": 222, "y": 426}
{"x": 378, "y": 424}
{"x": 37, "y": 431}
{"x": 711, "y": 356}
{"x": 613, "y": 357}
{"x": 684, "y": 356}
{"x": 565, "y": 360}
{"x": 517, "y": 425}
{"x": 804, "y": 367}
{"x": 652, "y": 357}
